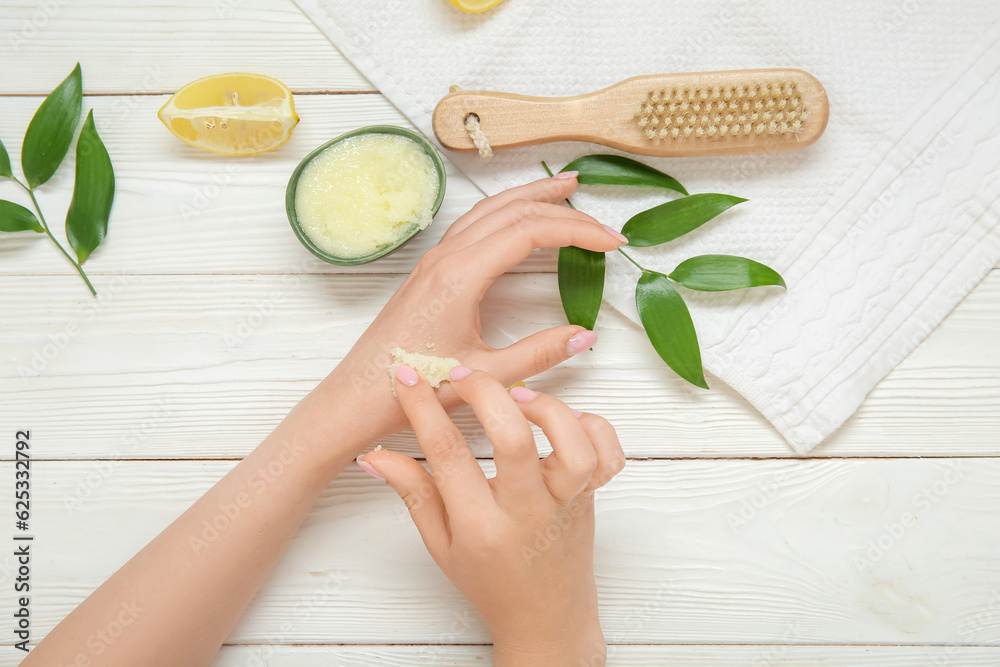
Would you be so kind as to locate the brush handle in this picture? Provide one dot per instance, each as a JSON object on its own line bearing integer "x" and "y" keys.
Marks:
{"x": 607, "y": 117}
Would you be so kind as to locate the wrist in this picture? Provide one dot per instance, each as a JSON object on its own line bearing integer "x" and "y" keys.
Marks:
{"x": 567, "y": 633}
{"x": 578, "y": 648}
{"x": 338, "y": 420}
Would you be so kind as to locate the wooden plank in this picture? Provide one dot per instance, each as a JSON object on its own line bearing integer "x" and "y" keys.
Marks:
{"x": 179, "y": 209}
{"x": 777, "y": 655}
{"x": 158, "y": 361}
{"x": 145, "y": 46}
{"x": 620, "y": 656}
{"x": 693, "y": 552}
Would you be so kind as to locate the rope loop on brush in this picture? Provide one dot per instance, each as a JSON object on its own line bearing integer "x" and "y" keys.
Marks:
{"x": 476, "y": 134}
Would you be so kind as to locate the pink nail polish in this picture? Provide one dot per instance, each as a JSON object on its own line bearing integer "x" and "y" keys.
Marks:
{"x": 580, "y": 342}
{"x": 614, "y": 232}
{"x": 458, "y": 373}
{"x": 566, "y": 174}
{"x": 406, "y": 375}
{"x": 523, "y": 394}
{"x": 370, "y": 469}
{"x": 577, "y": 413}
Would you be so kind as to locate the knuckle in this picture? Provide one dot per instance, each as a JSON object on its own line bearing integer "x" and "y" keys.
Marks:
{"x": 430, "y": 266}
{"x": 545, "y": 357}
{"x": 478, "y": 382}
{"x": 552, "y": 188}
{"x": 522, "y": 208}
{"x": 608, "y": 469}
{"x": 582, "y": 464}
{"x": 430, "y": 258}
{"x": 493, "y": 541}
{"x": 421, "y": 403}
{"x": 445, "y": 277}
{"x": 600, "y": 428}
{"x": 488, "y": 546}
{"x": 517, "y": 442}
{"x": 618, "y": 462}
{"x": 523, "y": 226}
{"x": 444, "y": 440}
{"x": 551, "y": 408}
{"x": 413, "y": 501}
{"x": 477, "y": 209}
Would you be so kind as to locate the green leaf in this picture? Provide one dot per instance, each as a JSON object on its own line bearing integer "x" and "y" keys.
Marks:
{"x": 581, "y": 284}
{"x": 667, "y": 322}
{"x": 717, "y": 273}
{"x": 51, "y": 130}
{"x": 5, "y": 162}
{"x": 16, "y": 218}
{"x": 93, "y": 192}
{"x": 618, "y": 170}
{"x": 676, "y": 218}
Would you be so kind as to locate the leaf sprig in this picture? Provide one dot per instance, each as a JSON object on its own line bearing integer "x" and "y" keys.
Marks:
{"x": 662, "y": 310}
{"x": 46, "y": 142}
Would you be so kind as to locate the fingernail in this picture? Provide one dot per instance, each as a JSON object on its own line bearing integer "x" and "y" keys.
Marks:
{"x": 566, "y": 174}
{"x": 614, "y": 232}
{"x": 459, "y": 372}
{"x": 406, "y": 375}
{"x": 370, "y": 469}
{"x": 523, "y": 394}
{"x": 577, "y": 413}
{"x": 580, "y": 342}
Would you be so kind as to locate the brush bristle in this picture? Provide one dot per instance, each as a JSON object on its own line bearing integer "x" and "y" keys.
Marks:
{"x": 699, "y": 111}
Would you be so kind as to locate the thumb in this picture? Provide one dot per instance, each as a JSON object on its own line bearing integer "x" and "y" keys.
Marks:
{"x": 541, "y": 351}
{"x": 417, "y": 489}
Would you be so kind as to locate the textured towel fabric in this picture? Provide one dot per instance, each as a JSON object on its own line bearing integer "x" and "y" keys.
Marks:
{"x": 880, "y": 228}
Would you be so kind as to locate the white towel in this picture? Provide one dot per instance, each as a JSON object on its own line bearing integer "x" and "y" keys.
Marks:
{"x": 879, "y": 229}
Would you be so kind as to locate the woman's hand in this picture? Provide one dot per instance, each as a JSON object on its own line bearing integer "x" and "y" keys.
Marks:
{"x": 518, "y": 546}
{"x": 438, "y": 305}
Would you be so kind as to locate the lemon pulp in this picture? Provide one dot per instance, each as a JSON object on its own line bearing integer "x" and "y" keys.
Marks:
{"x": 235, "y": 114}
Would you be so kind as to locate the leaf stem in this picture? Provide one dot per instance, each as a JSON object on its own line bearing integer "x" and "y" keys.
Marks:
{"x": 629, "y": 258}
{"x": 45, "y": 226}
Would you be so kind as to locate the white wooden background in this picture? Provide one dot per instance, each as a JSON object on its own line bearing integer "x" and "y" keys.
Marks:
{"x": 715, "y": 546}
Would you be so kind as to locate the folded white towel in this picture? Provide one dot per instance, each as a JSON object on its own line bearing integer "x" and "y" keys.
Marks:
{"x": 879, "y": 229}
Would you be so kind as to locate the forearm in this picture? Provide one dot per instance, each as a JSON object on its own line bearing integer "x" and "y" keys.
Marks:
{"x": 181, "y": 595}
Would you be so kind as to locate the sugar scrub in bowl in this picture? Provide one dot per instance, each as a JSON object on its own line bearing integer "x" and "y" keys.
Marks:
{"x": 364, "y": 194}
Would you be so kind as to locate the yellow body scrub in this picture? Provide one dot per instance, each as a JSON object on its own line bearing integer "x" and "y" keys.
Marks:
{"x": 366, "y": 192}
{"x": 435, "y": 369}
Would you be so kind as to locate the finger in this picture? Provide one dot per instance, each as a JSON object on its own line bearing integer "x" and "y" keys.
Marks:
{"x": 568, "y": 469}
{"x": 507, "y": 247}
{"x": 417, "y": 489}
{"x": 551, "y": 190}
{"x": 541, "y": 351}
{"x": 610, "y": 456}
{"x": 457, "y": 475}
{"x": 514, "y": 450}
{"x": 510, "y": 213}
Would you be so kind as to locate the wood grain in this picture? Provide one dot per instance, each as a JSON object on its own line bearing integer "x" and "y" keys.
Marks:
{"x": 145, "y": 46}
{"x": 621, "y": 656}
{"x": 158, "y": 361}
{"x": 778, "y": 655}
{"x": 741, "y": 552}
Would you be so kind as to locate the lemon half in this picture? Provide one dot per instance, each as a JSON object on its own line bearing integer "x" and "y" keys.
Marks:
{"x": 474, "y": 6}
{"x": 235, "y": 114}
